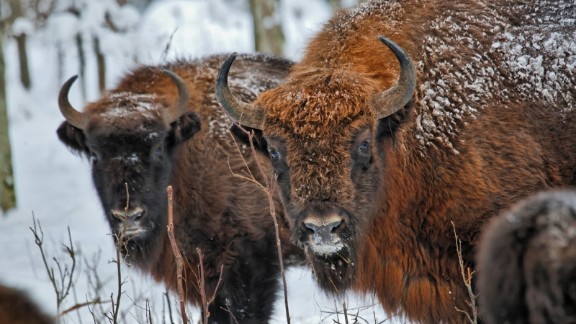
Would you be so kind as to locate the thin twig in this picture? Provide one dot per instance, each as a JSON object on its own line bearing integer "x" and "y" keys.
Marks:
{"x": 66, "y": 275}
{"x": 148, "y": 312}
{"x": 169, "y": 307}
{"x": 177, "y": 255}
{"x": 345, "y": 312}
{"x": 202, "y": 286}
{"x": 467, "y": 278}
{"x": 119, "y": 283}
{"x": 168, "y": 44}
{"x": 80, "y": 305}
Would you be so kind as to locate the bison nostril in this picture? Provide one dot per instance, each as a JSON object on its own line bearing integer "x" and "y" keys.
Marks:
{"x": 336, "y": 225}
{"x": 137, "y": 215}
{"x": 310, "y": 227}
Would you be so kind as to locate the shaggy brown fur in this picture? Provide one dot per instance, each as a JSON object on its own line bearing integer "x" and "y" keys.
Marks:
{"x": 17, "y": 308}
{"x": 527, "y": 262}
{"x": 132, "y": 149}
{"x": 492, "y": 121}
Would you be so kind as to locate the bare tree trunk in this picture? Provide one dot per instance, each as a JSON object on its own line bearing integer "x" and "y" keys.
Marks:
{"x": 82, "y": 65}
{"x": 268, "y": 34}
{"x": 336, "y": 5}
{"x": 60, "y": 53}
{"x": 101, "y": 62}
{"x": 23, "y": 60}
{"x": 18, "y": 11}
{"x": 7, "y": 192}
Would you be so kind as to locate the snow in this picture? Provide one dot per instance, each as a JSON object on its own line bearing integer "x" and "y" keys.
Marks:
{"x": 55, "y": 186}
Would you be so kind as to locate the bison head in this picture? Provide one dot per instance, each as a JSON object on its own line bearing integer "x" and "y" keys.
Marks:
{"x": 130, "y": 140}
{"x": 326, "y": 132}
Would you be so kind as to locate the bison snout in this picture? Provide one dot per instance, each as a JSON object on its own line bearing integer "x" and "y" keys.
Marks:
{"x": 323, "y": 230}
{"x": 324, "y": 233}
{"x": 128, "y": 214}
{"x": 130, "y": 221}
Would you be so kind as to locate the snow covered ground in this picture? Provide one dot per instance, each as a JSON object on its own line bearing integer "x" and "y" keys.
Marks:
{"x": 55, "y": 186}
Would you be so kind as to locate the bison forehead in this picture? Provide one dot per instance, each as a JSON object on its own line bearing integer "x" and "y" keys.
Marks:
{"x": 320, "y": 168}
{"x": 315, "y": 104}
{"x": 128, "y": 111}
{"x": 129, "y": 105}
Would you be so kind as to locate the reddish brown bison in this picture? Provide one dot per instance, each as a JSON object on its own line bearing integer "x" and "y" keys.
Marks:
{"x": 17, "y": 308}
{"x": 383, "y": 149}
{"x": 527, "y": 262}
{"x": 158, "y": 128}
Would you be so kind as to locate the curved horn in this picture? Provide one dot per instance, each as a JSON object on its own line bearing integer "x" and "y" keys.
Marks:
{"x": 73, "y": 116}
{"x": 243, "y": 113}
{"x": 181, "y": 106}
{"x": 390, "y": 101}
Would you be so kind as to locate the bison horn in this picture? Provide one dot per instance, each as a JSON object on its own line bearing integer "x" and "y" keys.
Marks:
{"x": 181, "y": 106}
{"x": 243, "y": 113}
{"x": 73, "y": 116}
{"x": 390, "y": 101}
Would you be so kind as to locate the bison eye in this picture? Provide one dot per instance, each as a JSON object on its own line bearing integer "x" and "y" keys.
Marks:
{"x": 158, "y": 151}
{"x": 364, "y": 148}
{"x": 93, "y": 158}
{"x": 274, "y": 154}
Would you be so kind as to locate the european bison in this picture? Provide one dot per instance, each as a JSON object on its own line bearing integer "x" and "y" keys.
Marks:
{"x": 17, "y": 308}
{"x": 377, "y": 174}
{"x": 161, "y": 128}
{"x": 527, "y": 262}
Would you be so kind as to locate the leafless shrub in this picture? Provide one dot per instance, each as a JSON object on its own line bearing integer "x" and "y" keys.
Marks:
{"x": 350, "y": 315}
{"x": 63, "y": 280}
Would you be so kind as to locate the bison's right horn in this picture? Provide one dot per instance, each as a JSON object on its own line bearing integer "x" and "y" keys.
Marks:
{"x": 181, "y": 106}
{"x": 73, "y": 116}
{"x": 243, "y": 113}
{"x": 390, "y": 101}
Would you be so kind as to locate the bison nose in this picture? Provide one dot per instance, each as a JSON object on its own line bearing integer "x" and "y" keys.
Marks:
{"x": 324, "y": 230}
{"x": 128, "y": 214}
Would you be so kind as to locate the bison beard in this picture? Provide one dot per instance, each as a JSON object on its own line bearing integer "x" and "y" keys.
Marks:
{"x": 360, "y": 149}
{"x": 160, "y": 128}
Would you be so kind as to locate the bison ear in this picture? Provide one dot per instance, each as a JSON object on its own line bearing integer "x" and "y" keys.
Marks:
{"x": 73, "y": 138}
{"x": 258, "y": 139}
{"x": 388, "y": 125}
{"x": 183, "y": 129}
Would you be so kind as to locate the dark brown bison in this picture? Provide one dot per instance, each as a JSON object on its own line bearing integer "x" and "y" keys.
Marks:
{"x": 527, "y": 262}
{"x": 165, "y": 128}
{"x": 378, "y": 163}
{"x": 17, "y": 308}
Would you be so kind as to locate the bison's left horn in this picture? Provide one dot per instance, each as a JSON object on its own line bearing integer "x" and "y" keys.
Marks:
{"x": 181, "y": 105}
{"x": 73, "y": 116}
{"x": 390, "y": 101}
{"x": 243, "y": 113}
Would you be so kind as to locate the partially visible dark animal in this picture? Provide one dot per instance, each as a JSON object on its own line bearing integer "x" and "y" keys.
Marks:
{"x": 527, "y": 262}
{"x": 17, "y": 308}
{"x": 384, "y": 147}
{"x": 165, "y": 128}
